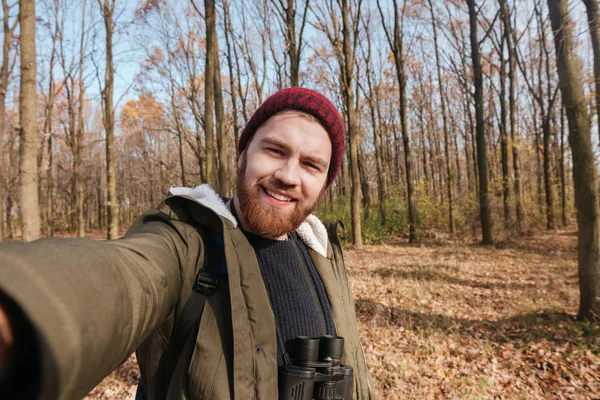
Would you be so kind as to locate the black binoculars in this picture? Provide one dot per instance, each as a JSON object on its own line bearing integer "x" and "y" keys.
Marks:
{"x": 315, "y": 372}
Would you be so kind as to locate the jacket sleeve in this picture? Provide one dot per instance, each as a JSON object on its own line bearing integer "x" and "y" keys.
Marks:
{"x": 92, "y": 302}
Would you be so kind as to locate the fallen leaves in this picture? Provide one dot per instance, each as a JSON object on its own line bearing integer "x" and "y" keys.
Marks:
{"x": 456, "y": 320}
{"x": 459, "y": 321}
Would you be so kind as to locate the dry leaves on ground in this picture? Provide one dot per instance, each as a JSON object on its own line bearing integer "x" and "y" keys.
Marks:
{"x": 461, "y": 321}
{"x": 449, "y": 320}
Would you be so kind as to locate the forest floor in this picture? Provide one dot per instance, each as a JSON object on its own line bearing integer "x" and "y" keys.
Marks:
{"x": 449, "y": 319}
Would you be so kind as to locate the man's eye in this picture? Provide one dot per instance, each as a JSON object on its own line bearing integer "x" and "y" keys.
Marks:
{"x": 274, "y": 151}
{"x": 312, "y": 166}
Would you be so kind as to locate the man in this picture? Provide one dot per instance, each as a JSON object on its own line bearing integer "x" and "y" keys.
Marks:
{"x": 79, "y": 307}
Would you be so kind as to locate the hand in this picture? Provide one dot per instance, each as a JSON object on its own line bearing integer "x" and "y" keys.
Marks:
{"x": 7, "y": 341}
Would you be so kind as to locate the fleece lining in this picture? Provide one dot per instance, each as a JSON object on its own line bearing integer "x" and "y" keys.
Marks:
{"x": 312, "y": 231}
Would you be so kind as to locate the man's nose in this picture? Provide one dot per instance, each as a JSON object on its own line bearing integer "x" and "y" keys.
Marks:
{"x": 289, "y": 172}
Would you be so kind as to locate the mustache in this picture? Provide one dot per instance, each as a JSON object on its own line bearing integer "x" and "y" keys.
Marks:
{"x": 276, "y": 184}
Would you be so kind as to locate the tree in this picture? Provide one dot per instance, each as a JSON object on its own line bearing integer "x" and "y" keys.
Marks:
{"x": 28, "y": 168}
{"x": 8, "y": 29}
{"x": 349, "y": 38}
{"x": 293, "y": 45}
{"x": 344, "y": 40}
{"x": 545, "y": 98}
{"x": 584, "y": 169}
{"x": 209, "y": 92}
{"x": 396, "y": 42}
{"x": 444, "y": 119}
{"x": 521, "y": 220}
{"x": 107, "y": 8}
{"x": 591, "y": 7}
{"x": 484, "y": 201}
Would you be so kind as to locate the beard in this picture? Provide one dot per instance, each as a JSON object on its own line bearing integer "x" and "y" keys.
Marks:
{"x": 263, "y": 219}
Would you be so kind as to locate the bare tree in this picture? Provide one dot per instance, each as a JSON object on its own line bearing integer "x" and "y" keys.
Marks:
{"x": 521, "y": 220}
{"x": 107, "y": 8}
{"x": 584, "y": 169}
{"x": 294, "y": 46}
{"x": 28, "y": 168}
{"x": 396, "y": 42}
{"x": 209, "y": 92}
{"x": 343, "y": 36}
{"x": 79, "y": 188}
{"x": 444, "y": 119}
{"x": 484, "y": 201}
{"x": 593, "y": 15}
{"x": 8, "y": 29}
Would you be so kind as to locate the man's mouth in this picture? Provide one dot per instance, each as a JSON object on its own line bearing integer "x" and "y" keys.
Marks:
{"x": 278, "y": 196}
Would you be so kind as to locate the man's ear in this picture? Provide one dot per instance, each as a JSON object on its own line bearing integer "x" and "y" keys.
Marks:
{"x": 241, "y": 157}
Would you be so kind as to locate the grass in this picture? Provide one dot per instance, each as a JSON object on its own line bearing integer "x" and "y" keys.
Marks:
{"x": 449, "y": 319}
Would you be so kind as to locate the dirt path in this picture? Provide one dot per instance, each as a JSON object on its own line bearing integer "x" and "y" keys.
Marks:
{"x": 458, "y": 321}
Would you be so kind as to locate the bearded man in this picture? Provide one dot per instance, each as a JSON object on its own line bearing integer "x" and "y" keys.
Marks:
{"x": 72, "y": 310}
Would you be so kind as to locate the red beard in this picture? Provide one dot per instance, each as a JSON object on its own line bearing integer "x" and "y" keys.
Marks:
{"x": 264, "y": 220}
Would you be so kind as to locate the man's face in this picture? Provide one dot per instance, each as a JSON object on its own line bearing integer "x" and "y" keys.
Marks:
{"x": 282, "y": 174}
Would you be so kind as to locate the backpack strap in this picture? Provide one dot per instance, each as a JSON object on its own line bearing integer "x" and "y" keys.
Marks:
{"x": 188, "y": 321}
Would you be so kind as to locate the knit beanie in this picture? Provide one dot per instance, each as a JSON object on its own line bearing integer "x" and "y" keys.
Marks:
{"x": 310, "y": 102}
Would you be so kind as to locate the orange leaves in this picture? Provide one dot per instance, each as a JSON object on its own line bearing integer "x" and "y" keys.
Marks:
{"x": 142, "y": 114}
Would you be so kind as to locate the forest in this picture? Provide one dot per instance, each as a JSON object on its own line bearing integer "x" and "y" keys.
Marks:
{"x": 472, "y": 126}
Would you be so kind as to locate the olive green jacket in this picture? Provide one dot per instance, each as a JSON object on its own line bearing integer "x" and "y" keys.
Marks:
{"x": 93, "y": 303}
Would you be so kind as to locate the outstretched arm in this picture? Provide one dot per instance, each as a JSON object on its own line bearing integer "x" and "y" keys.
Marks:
{"x": 91, "y": 303}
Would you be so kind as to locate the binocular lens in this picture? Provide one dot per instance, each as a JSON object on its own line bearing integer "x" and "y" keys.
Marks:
{"x": 331, "y": 347}
{"x": 306, "y": 349}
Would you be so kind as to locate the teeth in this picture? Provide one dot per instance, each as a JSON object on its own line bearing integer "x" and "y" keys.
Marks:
{"x": 278, "y": 196}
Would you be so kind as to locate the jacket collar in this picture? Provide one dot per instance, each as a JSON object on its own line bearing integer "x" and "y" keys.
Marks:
{"x": 312, "y": 231}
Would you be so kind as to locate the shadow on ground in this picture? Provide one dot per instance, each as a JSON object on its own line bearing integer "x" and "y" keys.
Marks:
{"x": 553, "y": 243}
{"x": 549, "y": 325}
{"x": 428, "y": 273}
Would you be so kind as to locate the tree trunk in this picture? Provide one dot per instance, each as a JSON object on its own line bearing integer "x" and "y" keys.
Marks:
{"x": 348, "y": 92}
{"x": 80, "y": 134}
{"x": 508, "y": 35}
{"x": 445, "y": 122}
{"x": 563, "y": 180}
{"x": 48, "y": 131}
{"x": 224, "y": 188}
{"x": 232, "y": 88}
{"x": 592, "y": 13}
{"x": 375, "y": 125}
{"x": 504, "y": 138}
{"x": 8, "y": 31}
{"x": 293, "y": 46}
{"x": 484, "y": 202}
{"x": 28, "y": 169}
{"x": 108, "y": 7}
{"x": 209, "y": 93}
{"x": 547, "y": 175}
{"x": 584, "y": 172}
{"x": 395, "y": 40}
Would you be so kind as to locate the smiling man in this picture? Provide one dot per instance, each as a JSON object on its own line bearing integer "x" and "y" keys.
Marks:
{"x": 211, "y": 292}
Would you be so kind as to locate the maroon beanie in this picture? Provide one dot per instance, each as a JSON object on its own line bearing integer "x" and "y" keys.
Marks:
{"x": 307, "y": 101}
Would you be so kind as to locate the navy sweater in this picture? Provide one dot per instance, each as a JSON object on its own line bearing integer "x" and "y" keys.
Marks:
{"x": 295, "y": 289}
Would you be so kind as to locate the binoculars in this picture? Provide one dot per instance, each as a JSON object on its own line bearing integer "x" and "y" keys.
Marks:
{"x": 315, "y": 372}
